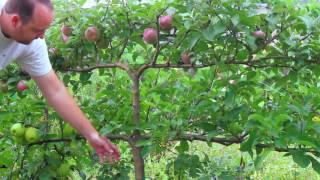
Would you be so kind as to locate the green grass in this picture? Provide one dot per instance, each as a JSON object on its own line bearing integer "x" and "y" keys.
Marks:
{"x": 224, "y": 162}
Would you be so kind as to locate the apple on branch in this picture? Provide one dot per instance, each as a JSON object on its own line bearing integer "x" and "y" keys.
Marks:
{"x": 165, "y": 22}
{"x": 259, "y": 34}
{"x": 32, "y": 134}
{"x": 17, "y": 129}
{"x": 150, "y": 35}
{"x": 92, "y": 34}
{"x": 185, "y": 58}
{"x": 22, "y": 85}
{"x": 66, "y": 30}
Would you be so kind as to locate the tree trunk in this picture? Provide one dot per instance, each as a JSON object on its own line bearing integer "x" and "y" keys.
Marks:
{"x": 136, "y": 151}
{"x": 138, "y": 163}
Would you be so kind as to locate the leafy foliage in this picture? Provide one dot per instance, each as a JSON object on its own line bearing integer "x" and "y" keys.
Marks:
{"x": 260, "y": 92}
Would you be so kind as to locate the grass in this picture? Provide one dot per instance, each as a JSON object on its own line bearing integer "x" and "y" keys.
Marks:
{"x": 224, "y": 163}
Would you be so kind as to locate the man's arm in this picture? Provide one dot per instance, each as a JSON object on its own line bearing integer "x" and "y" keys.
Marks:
{"x": 59, "y": 98}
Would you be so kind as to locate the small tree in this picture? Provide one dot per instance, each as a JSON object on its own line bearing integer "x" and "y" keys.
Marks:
{"x": 226, "y": 72}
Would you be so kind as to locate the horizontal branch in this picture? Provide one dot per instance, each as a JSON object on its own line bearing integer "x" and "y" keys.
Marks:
{"x": 47, "y": 141}
{"x": 258, "y": 63}
{"x": 118, "y": 137}
{"x": 188, "y": 137}
{"x": 286, "y": 149}
{"x": 99, "y": 66}
{"x": 192, "y": 137}
{"x": 57, "y": 140}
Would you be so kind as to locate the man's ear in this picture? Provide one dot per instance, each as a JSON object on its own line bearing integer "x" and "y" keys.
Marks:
{"x": 15, "y": 20}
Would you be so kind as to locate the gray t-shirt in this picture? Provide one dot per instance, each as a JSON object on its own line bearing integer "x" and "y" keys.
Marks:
{"x": 33, "y": 57}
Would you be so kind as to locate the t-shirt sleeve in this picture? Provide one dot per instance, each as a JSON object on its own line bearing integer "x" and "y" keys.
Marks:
{"x": 35, "y": 60}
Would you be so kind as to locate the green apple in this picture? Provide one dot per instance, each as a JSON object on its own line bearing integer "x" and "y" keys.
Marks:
{"x": 32, "y": 134}
{"x": 63, "y": 170}
{"x": 68, "y": 130}
{"x": 20, "y": 140}
{"x": 17, "y": 129}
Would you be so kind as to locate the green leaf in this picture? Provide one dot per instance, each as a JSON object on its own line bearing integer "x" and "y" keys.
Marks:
{"x": 187, "y": 24}
{"x": 213, "y": 30}
{"x": 145, "y": 151}
{"x": 66, "y": 79}
{"x": 300, "y": 158}
{"x": 84, "y": 77}
{"x": 316, "y": 127}
{"x": 6, "y": 157}
{"x": 235, "y": 20}
{"x": 256, "y": 117}
{"x": 183, "y": 146}
{"x": 308, "y": 21}
{"x": 315, "y": 165}
{"x": 258, "y": 162}
{"x": 194, "y": 40}
{"x": 249, "y": 143}
{"x": 229, "y": 99}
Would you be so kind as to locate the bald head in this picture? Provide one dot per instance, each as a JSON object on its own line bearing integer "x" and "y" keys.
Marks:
{"x": 26, "y": 20}
{"x": 25, "y": 8}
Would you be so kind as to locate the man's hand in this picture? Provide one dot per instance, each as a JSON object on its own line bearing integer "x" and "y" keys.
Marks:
{"x": 104, "y": 149}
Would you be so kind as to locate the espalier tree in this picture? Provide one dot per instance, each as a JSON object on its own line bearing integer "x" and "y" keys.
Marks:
{"x": 160, "y": 74}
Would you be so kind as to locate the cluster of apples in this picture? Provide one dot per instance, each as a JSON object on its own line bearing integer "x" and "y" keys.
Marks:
{"x": 150, "y": 35}
{"x": 24, "y": 135}
{"x": 92, "y": 33}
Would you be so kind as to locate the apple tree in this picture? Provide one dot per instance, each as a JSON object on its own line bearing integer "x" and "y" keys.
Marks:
{"x": 160, "y": 74}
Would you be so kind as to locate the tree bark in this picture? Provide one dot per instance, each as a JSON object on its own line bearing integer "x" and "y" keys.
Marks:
{"x": 138, "y": 163}
{"x": 136, "y": 151}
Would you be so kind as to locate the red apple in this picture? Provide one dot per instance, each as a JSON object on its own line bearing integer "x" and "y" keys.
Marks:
{"x": 185, "y": 58}
{"x": 22, "y": 85}
{"x": 66, "y": 30}
{"x": 165, "y": 22}
{"x": 65, "y": 38}
{"x": 259, "y": 34}
{"x": 150, "y": 35}
{"x": 92, "y": 33}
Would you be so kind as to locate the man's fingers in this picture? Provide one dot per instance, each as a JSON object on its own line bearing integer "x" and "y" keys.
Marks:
{"x": 107, "y": 151}
{"x": 114, "y": 148}
{"x": 108, "y": 145}
{"x": 102, "y": 158}
{"x": 116, "y": 152}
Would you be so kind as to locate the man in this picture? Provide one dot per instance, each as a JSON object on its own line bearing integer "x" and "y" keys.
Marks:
{"x": 23, "y": 24}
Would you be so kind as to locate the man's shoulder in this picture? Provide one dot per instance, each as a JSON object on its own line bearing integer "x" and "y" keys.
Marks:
{"x": 37, "y": 45}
